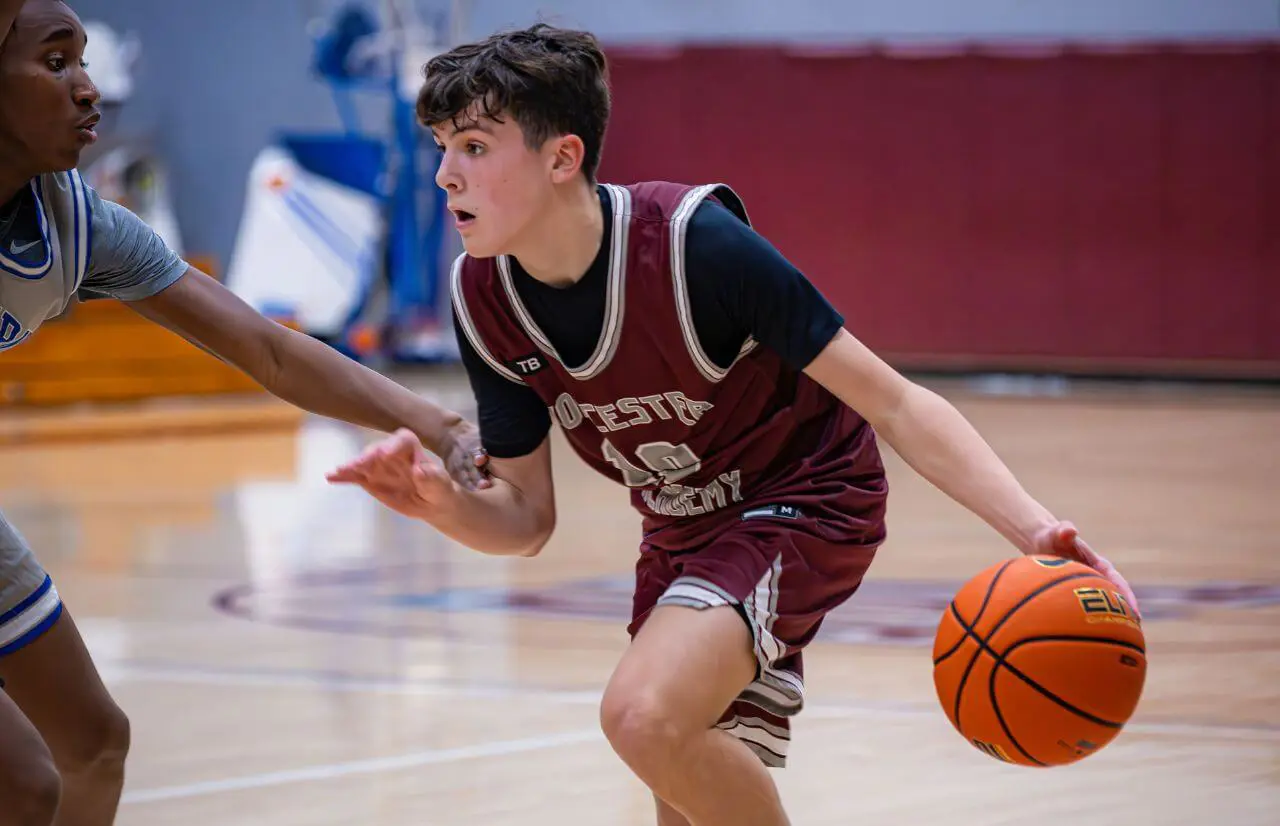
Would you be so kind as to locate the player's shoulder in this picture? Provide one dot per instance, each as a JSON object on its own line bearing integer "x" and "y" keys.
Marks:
{"x": 474, "y": 285}
{"x": 679, "y": 202}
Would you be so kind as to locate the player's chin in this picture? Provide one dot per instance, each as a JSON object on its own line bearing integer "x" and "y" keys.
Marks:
{"x": 477, "y": 246}
{"x": 65, "y": 159}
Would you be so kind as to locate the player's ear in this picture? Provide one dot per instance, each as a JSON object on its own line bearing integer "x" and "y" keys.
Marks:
{"x": 567, "y": 154}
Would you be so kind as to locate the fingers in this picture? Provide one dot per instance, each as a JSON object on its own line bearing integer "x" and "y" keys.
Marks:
{"x": 468, "y": 468}
{"x": 382, "y": 462}
{"x": 1103, "y": 566}
{"x": 343, "y": 474}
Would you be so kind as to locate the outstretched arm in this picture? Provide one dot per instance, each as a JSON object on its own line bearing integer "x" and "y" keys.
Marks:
{"x": 940, "y": 444}
{"x": 514, "y": 517}
{"x": 734, "y": 272}
{"x": 517, "y": 514}
{"x": 305, "y": 372}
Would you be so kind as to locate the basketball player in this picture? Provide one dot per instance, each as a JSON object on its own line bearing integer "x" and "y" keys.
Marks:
{"x": 62, "y": 737}
{"x": 686, "y": 359}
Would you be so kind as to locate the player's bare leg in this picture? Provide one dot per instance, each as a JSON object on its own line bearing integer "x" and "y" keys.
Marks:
{"x": 682, "y": 670}
{"x": 29, "y": 782}
{"x": 667, "y": 816}
{"x": 54, "y": 682}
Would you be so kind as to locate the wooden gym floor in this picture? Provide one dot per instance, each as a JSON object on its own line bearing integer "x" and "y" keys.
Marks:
{"x": 291, "y": 654}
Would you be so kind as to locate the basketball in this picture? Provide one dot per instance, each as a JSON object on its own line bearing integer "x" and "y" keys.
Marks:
{"x": 1038, "y": 661}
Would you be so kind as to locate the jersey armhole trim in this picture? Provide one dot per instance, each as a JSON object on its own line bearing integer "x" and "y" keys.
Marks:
{"x": 469, "y": 328}
{"x": 83, "y": 226}
{"x": 679, "y": 229}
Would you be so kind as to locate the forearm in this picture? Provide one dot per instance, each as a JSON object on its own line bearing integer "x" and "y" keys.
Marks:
{"x": 499, "y": 520}
{"x": 310, "y": 374}
{"x": 940, "y": 444}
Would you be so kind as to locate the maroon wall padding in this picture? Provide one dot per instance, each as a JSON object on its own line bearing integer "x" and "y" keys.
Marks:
{"x": 1067, "y": 208}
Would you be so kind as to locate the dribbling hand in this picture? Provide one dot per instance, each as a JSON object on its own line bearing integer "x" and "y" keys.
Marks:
{"x": 1062, "y": 539}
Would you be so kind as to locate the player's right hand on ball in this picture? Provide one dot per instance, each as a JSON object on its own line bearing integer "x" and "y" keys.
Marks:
{"x": 399, "y": 473}
{"x": 1062, "y": 539}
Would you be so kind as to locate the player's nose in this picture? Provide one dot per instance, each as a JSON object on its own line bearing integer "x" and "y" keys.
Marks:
{"x": 86, "y": 94}
{"x": 447, "y": 177}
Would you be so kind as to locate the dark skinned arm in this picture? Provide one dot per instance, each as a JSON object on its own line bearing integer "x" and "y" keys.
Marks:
{"x": 307, "y": 373}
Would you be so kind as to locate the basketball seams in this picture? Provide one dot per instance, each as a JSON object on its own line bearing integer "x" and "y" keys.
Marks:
{"x": 995, "y": 706}
{"x": 1022, "y": 603}
{"x": 1132, "y": 646}
{"x": 991, "y": 587}
{"x": 968, "y": 631}
{"x": 1002, "y": 663}
{"x": 982, "y": 643}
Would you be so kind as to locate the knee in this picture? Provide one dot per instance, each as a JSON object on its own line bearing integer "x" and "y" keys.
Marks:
{"x": 641, "y": 728}
{"x": 101, "y": 746}
{"x": 32, "y": 794}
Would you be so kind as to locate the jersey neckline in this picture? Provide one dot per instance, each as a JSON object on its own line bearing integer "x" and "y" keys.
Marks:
{"x": 611, "y": 330}
{"x": 9, "y": 246}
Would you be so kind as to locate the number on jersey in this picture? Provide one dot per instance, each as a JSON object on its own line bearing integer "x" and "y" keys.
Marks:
{"x": 667, "y": 463}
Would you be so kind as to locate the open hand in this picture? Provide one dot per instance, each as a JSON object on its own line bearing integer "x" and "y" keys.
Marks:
{"x": 399, "y": 473}
{"x": 1062, "y": 539}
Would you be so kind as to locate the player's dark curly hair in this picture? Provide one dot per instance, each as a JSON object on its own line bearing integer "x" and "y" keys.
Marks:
{"x": 552, "y": 81}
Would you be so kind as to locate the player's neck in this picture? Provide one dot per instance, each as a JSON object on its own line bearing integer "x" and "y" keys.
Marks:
{"x": 12, "y": 182}
{"x": 15, "y": 172}
{"x": 566, "y": 240}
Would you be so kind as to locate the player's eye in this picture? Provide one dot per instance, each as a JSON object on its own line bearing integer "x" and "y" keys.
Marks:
{"x": 474, "y": 148}
{"x": 57, "y": 63}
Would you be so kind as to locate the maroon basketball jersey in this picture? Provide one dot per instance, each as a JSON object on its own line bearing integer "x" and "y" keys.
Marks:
{"x": 697, "y": 445}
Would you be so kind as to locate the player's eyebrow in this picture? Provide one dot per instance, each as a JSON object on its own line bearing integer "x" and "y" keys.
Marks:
{"x": 479, "y": 126}
{"x": 63, "y": 32}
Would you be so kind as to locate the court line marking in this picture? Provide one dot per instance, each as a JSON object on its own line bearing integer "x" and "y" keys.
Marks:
{"x": 321, "y": 681}
{"x": 375, "y": 765}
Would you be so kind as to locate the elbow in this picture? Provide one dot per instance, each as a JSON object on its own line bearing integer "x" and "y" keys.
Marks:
{"x": 546, "y": 527}
{"x": 894, "y": 405}
{"x": 539, "y": 543}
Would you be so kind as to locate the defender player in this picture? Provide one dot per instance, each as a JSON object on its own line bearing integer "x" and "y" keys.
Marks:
{"x": 62, "y": 738}
{"x": 686, "y": 359}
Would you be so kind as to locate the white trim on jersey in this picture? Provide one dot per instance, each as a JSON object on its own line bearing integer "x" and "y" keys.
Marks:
{"x": 769, "y": 742}
{"x": 83, "y": 226}
{"x": 615, "y": 295}
{"x": 469, "y": 327}
{"x": 776, "y": 690}
{"x": 679, "y": 226}
{"x": 32, "y": 272}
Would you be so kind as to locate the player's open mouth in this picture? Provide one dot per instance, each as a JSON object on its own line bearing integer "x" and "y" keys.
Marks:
{"x": 462, "y": 218}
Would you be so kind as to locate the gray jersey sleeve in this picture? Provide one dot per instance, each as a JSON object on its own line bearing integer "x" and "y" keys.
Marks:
{"x": 127, "y": 259}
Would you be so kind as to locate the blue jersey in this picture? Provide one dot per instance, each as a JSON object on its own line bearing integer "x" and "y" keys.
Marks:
{"x": 58, "y": 238}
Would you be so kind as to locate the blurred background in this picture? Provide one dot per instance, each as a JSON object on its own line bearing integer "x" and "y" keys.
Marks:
{"x": 1065, "y": 216}
{"x": 1090, "y": 186}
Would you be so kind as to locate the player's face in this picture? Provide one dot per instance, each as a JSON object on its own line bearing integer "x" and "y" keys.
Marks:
{"x": 48, "y": 104}
{"x": 497, "y": 186}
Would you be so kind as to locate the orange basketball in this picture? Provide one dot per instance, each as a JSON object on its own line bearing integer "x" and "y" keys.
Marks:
{"x": 1038, "y": 661}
